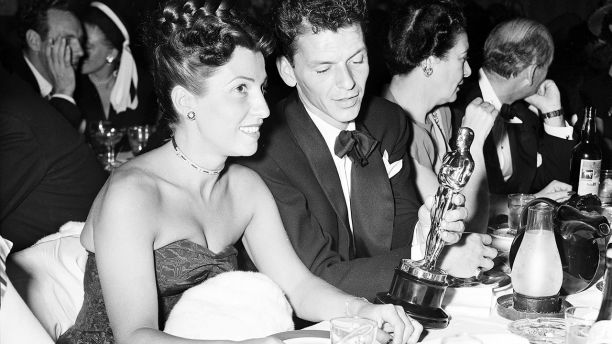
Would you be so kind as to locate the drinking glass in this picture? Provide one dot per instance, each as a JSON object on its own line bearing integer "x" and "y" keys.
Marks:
{"x": 605, "y": 187}
{"x": 578, "y": 321}
{"x": 516, "y": 203}
{"x": 352, "y": 330}
{"x": 138, "y": 136}
{"x": 106, "y": 135}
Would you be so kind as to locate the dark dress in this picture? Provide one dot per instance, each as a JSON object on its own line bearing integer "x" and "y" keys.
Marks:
{"x": 178, "y": 267}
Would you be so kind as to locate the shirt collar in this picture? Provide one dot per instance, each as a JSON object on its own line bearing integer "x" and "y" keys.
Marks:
{"x": 44, "y": 86}
{"x": 329, "y": 132}
{"x": 488, "y": 94}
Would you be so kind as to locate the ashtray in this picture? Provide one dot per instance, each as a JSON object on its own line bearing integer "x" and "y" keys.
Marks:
{"x": 540, "y": 330}
{"x": 505, "y": 308}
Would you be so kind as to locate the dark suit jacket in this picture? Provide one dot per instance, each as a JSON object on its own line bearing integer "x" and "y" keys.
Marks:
{"x": 16, "y": 64}
{"x": 527, "y": 139}
{"x": 48, "y": 175}
{"x": 297, "y": 166}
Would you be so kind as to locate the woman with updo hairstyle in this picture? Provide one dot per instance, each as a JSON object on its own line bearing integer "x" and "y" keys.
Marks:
{"x": 168, "y": 219}
{"x": 111, "y": 87}
{"x": 426, "y": 54}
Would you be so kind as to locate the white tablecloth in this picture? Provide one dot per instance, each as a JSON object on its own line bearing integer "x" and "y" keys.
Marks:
{"x": 470, "y": 311}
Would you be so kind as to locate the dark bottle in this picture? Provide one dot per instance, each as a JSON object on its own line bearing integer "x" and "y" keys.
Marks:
{"x": 586, "y": 158}
{"x": 605, "y": 311}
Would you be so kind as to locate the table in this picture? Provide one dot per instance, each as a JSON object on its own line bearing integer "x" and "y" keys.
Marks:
{"x": 470, "y": 311}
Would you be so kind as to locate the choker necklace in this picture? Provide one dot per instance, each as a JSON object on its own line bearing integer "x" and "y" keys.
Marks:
{"x": 180, "y": 153}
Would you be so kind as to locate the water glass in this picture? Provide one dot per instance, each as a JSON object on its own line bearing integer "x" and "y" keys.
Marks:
{"x": 138, "y": 136}
{"x": 605, "y": 187}
{"x": 516, "y": 203}
{"x": 578, "y": 322}
{"x": 352, "y": 330}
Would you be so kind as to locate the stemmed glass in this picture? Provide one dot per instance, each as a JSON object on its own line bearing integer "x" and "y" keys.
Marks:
{"x": 106, "y": 135}
{"x": 138, "y": 136}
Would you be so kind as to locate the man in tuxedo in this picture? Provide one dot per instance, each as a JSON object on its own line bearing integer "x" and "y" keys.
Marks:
{"x": 51, "y": 37}
{"x": 337, "y": 163}
{"x": 528, "y": 149}
{"x": 48, "y": 175}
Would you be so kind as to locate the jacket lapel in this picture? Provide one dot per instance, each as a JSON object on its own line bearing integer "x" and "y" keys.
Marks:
{"x": 311, "y": 142}
{"x": 372, "y": 205}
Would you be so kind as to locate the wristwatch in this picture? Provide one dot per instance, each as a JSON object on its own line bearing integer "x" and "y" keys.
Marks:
{"x": 553, "y": 114}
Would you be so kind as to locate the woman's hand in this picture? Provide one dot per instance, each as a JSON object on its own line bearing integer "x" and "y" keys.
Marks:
{"x": 452, "y": 224}
{"x": 391, "y": 319}
{"x": 480, "y": 117}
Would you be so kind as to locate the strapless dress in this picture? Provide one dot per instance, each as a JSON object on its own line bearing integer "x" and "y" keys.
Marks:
{"x": 178, "y": 266}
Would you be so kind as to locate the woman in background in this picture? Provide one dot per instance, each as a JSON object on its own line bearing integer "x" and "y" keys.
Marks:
{"x": 427, "y": 56}
{"x": 168, "y": 219}
{"x": 111, "y": 86}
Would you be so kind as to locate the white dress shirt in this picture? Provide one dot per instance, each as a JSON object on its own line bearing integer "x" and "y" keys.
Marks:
{"x": 500, "y": 134}
{"x": 344, "y": 166}
{"x": 44, "y": 86}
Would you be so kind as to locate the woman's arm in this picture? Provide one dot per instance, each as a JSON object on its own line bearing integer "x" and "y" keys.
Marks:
{"x": 312, "y": 298}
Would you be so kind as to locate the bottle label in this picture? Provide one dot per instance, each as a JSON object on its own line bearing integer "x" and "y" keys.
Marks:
{"x": 588, "y": 180}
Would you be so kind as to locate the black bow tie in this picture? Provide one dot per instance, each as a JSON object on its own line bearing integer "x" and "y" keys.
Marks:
{"x": 507, "y": 112}
{"x": 358, "y": 145}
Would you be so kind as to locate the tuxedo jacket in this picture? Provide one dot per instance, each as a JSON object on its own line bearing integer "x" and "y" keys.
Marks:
{"x": 526, "y": 140}
{"x": 16, "y": 64}
{"x": 48, "y": 175}
{"x": 298, "y": 167}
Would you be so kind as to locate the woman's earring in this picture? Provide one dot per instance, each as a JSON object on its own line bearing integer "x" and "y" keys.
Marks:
{"x": 110, "y": 59}
{"x": 191, "y": 115}
{"x": 428, "y": 71}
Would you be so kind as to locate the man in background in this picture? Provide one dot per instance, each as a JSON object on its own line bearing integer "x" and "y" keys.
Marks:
{"x": 51, "y": 37}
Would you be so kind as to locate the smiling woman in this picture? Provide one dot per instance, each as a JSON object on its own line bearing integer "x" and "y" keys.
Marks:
{"x": 168, "y": 219}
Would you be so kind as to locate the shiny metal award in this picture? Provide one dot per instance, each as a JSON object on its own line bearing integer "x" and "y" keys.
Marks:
{"x": 419, "y": 286}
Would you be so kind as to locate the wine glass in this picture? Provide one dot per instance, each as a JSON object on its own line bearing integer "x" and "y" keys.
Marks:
{"x": 106, "y": 135}
{"x": 138, "y": 136}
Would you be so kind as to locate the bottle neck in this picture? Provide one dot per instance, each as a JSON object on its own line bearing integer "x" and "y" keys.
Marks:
{"x": 587, "y": 133}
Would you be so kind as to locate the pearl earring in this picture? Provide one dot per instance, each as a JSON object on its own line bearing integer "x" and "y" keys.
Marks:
{"x": 110, "y": 59}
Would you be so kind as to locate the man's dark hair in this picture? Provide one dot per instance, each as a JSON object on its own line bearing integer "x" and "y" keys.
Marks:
{"x": 33, "y": 16}
{"x": 294, "y": 17}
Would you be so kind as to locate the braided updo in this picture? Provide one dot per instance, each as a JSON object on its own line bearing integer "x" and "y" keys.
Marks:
{"x": 194, "y": 37}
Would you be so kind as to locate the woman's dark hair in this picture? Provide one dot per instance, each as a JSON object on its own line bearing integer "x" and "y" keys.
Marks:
{"x": 96, "y": 17}
{"x": 195, "y": 37}
{"x": 606, "y": 34}
{"x": 420, "y": 29}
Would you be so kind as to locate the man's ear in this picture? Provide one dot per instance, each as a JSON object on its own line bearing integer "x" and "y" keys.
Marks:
{"x": 529, "y": 74}
{"x": 182, "y": 100}
{"x": 285, "y": 70}
{"x": 33, "y": 40}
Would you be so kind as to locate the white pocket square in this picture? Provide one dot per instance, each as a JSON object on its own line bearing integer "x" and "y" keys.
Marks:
{"x": 392, "y": 168}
